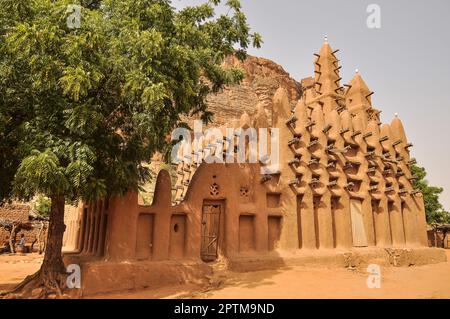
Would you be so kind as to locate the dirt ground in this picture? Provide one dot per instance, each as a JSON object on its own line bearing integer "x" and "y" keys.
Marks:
{"x": 14, "y": 268}
{"x": 430, "y": 281}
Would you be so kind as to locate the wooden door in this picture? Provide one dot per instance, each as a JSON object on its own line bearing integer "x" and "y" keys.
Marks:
{"x": 358, "y": 229}
{"x": 210, "y": 232}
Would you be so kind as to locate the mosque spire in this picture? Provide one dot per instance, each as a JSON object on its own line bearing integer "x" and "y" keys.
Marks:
{"x": 358, "y": 93}
{"x": 327, "y": 71}
{"x": 358, "y": 96}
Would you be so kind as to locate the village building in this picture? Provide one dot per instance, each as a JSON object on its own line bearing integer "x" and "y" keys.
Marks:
{"x": 14, "y": 212}
{"x": 343, "y": 184}
{"x": 17, "y": 219}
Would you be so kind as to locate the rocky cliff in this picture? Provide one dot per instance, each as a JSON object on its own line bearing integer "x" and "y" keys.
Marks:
{"x": 263, "y": 78}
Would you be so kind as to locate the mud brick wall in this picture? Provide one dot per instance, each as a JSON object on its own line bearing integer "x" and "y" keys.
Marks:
{"x": 16, "y": 212}
{"x": 438, "y": 239}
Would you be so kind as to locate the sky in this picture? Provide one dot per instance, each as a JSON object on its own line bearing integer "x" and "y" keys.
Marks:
{"x": 406, "y": 61}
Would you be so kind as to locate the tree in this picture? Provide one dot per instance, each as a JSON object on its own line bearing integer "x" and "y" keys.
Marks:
{"x": 433, "y": 208}
{"x": 43, "y": 205}
{"x": 82, "y": 108}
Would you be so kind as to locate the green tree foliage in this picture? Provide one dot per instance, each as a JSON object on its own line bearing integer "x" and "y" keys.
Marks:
{"x": 43, "y": 205}
{"x": 82, "y": 108}
{"x": 433, "y": 208}
{"x": 90, "y": 104}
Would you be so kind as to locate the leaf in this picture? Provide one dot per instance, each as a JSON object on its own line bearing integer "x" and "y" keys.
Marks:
{"x": 40, "y": 173}
{"x": 76, "y": 82}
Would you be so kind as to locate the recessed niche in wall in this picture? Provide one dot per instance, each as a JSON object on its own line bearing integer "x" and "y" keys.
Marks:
{"x": 102, "y": 239}
{"x": 273, "y": 200}
{"x": 177, "y": 243}
{"x": 404, "y": 209}
{"x": 316, "y": 202}
{"x": 144, "y": 236}
{"x": 335, "y": 210}
{"x": 246, "y": 233}
{"x": 85, "y": 228}
{"x": 300, "y": 207}
{"x": 274, "y": 231}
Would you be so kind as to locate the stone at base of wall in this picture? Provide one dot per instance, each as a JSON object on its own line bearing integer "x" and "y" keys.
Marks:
{"x": 356, "y": 258}
{"x": 105, "y": 277}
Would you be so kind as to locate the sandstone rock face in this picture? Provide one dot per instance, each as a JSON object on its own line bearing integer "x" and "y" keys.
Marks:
{"x": 263, "y": 78}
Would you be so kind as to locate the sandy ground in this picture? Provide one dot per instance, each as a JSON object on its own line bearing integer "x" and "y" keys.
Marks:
{"x": 430, "y": 281}
{"x": 14, "y": 268}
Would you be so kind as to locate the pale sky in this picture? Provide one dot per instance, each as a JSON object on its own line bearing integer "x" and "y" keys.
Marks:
{"x": 406, "y": 62}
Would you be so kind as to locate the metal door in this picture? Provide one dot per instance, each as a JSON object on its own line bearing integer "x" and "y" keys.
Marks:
{"x": 210, "y": 232}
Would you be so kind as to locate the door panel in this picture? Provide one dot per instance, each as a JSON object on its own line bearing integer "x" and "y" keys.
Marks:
{"x": 358, "y": 229}
{"x": 210, "y": 232}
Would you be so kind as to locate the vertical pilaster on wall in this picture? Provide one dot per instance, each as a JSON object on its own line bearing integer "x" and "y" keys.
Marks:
{"x": 302, "y": 176}
{"x": 421, "y": 220}
{"x": 374, "y": 155}
{"x": 288, "y": 202}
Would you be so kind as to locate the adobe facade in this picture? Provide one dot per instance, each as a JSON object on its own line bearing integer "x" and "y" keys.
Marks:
{"x": 344, "y": 182}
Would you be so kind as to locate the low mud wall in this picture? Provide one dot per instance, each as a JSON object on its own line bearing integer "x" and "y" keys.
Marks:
{"x": 359, "y": 258}
{"x": 99, "y": 277}
{"x": 106, "y": 277}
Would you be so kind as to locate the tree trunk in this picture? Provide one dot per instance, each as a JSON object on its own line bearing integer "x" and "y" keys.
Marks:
{"x": 53, "y": 262}
{"x": 50, "y": 280}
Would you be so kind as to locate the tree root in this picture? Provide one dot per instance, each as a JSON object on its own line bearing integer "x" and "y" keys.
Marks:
{"x": 41, "y": 285}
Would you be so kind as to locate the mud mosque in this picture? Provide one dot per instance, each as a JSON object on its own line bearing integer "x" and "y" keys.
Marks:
{"x": 344, "y": 183}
